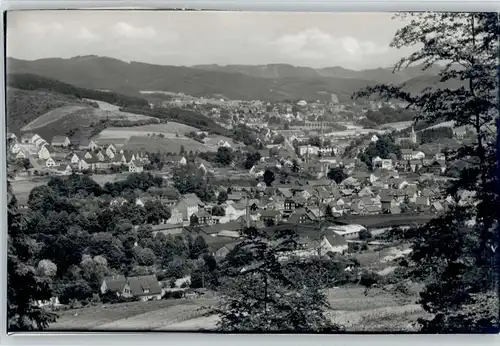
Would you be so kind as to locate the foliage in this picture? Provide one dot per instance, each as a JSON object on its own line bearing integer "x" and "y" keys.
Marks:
{"x": 35, "y": 82}
{"x": 224, "y": 156}
{"x": 251, "y": 160}
{"x": 259, "y": 296}
{"x": 431, "y": 135}
{"x": 191, "y": 179}
{"x": 268, "y": 177}
{"x": 364, "y": 234}
{"x": 218, "y": 211}
{"x": 453, "y": 253}
{"x": 337, "y": 174}
{"x": 24, "y": 286}
{"x": 384, "y": 148}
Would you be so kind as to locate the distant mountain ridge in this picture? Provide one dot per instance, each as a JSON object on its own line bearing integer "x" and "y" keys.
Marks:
{"x": 274, "y": 82}
{"x": 380, "y": 75}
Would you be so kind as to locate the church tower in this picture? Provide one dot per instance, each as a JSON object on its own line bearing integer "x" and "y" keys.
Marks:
{"x": 413, "y": 136}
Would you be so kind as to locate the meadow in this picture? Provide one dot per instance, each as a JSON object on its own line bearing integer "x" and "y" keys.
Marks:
{"x": 52, "y": 116}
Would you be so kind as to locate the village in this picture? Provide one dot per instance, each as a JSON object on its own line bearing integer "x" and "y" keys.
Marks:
{"x": 300, "y": 177}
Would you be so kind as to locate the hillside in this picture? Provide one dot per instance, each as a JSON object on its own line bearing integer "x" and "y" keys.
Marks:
{"x": 274, "y": 71}
{"x": 33, "y": 81}
{"x": 24, "y": 106}
{"x": 269, "y": 82}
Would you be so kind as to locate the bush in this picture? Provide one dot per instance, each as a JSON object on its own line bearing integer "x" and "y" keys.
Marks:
{"x": 368, "y": 279}
{"x": 364, "y": 234}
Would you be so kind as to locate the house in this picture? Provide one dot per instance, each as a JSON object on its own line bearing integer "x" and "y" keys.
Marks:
{"x": 386, "y": 164}
{"x": 311, "y": 243}
{"x": 111, "y": 151}
{"x": 235, "y": 196}
{"x": 178, "y": 160}
{"x": 87, "y": 144}
{"x": 44, "y": 153}
{"x": 83, "y": 165}
{"x": 29, "y": 138}
{"x": 201, "y": 217}
{"x": 74, "y": 159}
{"x": 15, "y": 148}
{"x": 115, "y": 284}
{"x": 377, "y": 161}
{"x": 415, "y": 165}
{"x": 301, "y": 216}
{"x": 175, "y": 216}
{"x": 60, "y": 141}
{"x": 407, "y": 154}
{"x": 144, "y": 287}
{"x": 65, "y": 169}
{"x": 374, "y": 139}
{"x": 270, "y": 216}
{"x": 347, "y": 231}
{"x": 21, "y": 155}
{"x": 136, "y": 167}
{"x": 50, "y": 162}
{"x": 188, "y": 207}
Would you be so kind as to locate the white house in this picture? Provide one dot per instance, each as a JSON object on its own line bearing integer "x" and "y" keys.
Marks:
{"x": 50, "y": 162}
{"x": 15, "y": 148}
{"x": 60, "y": 141}
{"x": 386, "y": 164}
{"x": 82, "y": 165}
{"x": 135, "y": 167}
{"x": 20, "y": 155}
{"x": 43, "y": 153}
{"x": 347, "y": 231}
{"x": 374, "y": 138}
{"x": 175, "y": 217}
{"x": 308, "y": 149}
{"x": 111, "y": 151}
{"x": 75, "y": 159}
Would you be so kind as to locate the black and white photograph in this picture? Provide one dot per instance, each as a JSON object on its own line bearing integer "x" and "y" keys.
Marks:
{"x": 252, "y": 172}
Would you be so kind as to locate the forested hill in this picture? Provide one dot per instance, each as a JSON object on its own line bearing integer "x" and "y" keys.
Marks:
{"x": 28, "y": 81}
{"x": 93, "y": 72}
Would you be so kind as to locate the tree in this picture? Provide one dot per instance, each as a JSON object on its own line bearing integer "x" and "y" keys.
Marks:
{"x": 268, "y": 177}
{"x": 182, "y": 150}
{"x": 222, "y": 197}
{"x": 260, "y": 297}
{"x": 144, "y": 256}
{"x": 197, "y": 247}
{"x": 328, "y": 212}
{"x": 218, "y": 211}
{"x": 26, "y": 163}
{"x": 24, "y": 286}
{"x": 156, "y": 211}
{"x": 224, "y": 156}
{"x": 364, "y": 234}
{"x": 337, "y": 174}
{"x": 453, "y": 256}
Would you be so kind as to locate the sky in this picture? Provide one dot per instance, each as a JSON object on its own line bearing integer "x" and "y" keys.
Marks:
{"x": 351, "y": 40}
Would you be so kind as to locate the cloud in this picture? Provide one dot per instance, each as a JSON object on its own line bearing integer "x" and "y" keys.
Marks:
{"x": 85, "y": 34}
{"x": 126, "y": 30}
{"x": 314, "y": 44}
{"x": 45, "y": 29}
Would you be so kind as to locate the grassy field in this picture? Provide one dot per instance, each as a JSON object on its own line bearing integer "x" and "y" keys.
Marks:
{"x": 168, "y": 130}
{"x": 352, "y": 307}
{"x": 133, "y": 316}
{"x": 113, "y": 112}
{"x": 52, "y": 116}
{"x": 154, "y": 144}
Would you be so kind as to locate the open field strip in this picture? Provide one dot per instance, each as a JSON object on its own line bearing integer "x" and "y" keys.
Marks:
{"x": 52, "y": 116}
